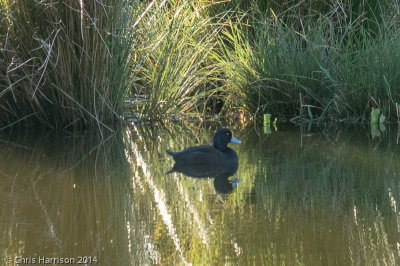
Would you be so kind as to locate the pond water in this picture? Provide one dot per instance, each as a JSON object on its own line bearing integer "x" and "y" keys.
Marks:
{"x": 302, "y": 197}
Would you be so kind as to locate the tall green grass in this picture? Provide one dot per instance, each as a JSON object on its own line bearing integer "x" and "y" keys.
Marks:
{"x": 174, "y": 71}
{"x": 315, "y": 66}
{"x": 73, "y": 63}
{"x": 65, "y": 62}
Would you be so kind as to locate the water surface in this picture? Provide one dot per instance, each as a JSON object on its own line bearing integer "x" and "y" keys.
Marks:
{"x": 306, "y": 197}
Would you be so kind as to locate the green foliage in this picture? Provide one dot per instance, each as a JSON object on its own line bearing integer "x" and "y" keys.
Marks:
{"x": 267, "y": 123}
{"x": 377, "y": 119}
{"x": 375, "y": 115}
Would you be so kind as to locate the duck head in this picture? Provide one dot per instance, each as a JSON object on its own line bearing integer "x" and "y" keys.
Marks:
{"x": 222, "y": 138}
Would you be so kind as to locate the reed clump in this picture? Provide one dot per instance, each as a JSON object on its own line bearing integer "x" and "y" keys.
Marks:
{"x": 71, "y": 64}
{"x": 64, "y": 63}
{"x": 333, "y": 62}
{"x": 174, "y": 71}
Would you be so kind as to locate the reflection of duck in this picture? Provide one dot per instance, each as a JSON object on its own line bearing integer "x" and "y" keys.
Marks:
{"x": 217, "y": 161}
{"x": 223, "y": 185}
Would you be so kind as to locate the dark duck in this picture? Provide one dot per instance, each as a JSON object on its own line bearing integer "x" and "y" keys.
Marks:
{"x": 217, "y": 161}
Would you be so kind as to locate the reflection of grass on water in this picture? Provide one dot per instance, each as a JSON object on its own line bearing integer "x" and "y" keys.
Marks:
{"x": 322, "y": 194}
{"x": 293, "y": 205}
{"x": 62, "y": 198}
{"x": 328, "y": 199}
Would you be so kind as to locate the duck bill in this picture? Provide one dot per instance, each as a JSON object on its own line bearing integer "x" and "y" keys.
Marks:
{"x": 235, "y": 140}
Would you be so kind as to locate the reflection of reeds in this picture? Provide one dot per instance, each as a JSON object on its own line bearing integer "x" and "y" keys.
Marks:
{"x": 329, "y": 192}
{"x": 333, "y": 199}
{"x": 159, "y": 198}
{"x": 60, "y": 198}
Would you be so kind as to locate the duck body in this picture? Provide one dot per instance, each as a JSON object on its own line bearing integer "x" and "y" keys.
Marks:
{"x": 205, "y": 161}
{"x": 208, "y": 160}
